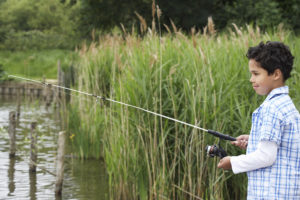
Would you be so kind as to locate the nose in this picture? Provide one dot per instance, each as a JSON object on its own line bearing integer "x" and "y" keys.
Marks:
{"x": 251, "y": 79}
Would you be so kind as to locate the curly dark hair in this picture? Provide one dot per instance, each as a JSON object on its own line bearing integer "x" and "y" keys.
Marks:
{"x": 272, "y": 56}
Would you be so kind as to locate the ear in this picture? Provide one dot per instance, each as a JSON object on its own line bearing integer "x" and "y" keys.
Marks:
{"x": 277, "y": 74}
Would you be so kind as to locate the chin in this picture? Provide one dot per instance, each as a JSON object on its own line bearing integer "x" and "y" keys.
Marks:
{"x": 262, "y": 93}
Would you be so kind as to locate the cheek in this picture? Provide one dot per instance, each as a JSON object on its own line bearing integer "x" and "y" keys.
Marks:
{"x": 259, "y": 80}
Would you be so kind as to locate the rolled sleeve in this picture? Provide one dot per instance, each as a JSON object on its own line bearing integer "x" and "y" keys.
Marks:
{"x": 271, "y": 125}
{"x": 264, "y": 156}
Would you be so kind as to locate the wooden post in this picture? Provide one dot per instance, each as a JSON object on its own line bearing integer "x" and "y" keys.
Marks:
{"x": 59, "y": 74}
{"x": 12, "y": 133}
{"x": 33, "y": 147}
{"x": 60, "y": 163}
{"x": 32, "y": 183}
{"x": 11, "y": 176}
{"x": 18, "y": 105}
{"x": 48, "y": 95}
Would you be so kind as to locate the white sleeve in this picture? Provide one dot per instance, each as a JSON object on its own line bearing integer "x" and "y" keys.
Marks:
{"x": 264, "y": 156}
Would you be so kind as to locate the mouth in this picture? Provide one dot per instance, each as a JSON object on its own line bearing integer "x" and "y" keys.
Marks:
{"x": 254, "y": 86}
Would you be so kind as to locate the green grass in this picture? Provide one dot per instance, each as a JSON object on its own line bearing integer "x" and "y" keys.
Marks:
{"x": 36, "y": 64}
{"x": 200, "y": 79}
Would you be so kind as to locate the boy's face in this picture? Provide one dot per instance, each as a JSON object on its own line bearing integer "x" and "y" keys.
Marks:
{"x": 262, "y": 83}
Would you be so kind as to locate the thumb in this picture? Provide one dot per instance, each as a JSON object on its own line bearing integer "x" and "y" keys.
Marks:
{"x": 220, "y": 163}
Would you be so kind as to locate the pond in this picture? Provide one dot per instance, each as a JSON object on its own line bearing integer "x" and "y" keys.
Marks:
{"x": 83, "y": 179}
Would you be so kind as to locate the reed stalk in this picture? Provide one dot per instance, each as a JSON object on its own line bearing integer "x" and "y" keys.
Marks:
{"x": 203, "y": 80}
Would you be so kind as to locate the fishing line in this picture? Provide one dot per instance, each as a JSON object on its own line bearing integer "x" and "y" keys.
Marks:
{"x": 215, "y": 133}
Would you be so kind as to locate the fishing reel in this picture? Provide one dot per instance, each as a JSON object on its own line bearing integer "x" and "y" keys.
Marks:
{"x": 215, "y": 150}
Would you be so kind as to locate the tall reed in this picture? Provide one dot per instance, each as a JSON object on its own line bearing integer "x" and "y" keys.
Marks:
{"x": 201, "y": 79}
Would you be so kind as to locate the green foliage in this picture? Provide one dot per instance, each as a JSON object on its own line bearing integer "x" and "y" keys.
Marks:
{"x": 105, "y": 15}
{"x": 74, "y": 20}
{"x": 27, "y": 24}
{"x": 186, "y": 14}
{"x": 202, "y": 80}
{"x": 36, "y": 63}
{"x": 262, "y": 13}
{"x": 97, "y": 14}
{"x": 35, "y": 40}
{"x": 290, "y": 10}
{"x": 2, "y": 73}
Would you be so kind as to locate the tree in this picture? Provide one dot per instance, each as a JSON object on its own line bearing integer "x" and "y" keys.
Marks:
{"x": 186, "y": 14}
{"x": 28, "y": 22}
{"x": 106, "y": 14}
{"x": 263, "y": 13}
{"x": 290, "y": 10}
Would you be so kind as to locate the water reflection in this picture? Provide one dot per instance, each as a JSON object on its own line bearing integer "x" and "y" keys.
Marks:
{"x": 83, "y": 180}
{"x": 32, "y": 183}
{"x": 11, "y": 174}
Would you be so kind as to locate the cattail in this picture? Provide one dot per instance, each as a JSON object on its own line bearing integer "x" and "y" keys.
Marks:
{"x": 280, "y": 32}
{"x": 193, "y": 30}
{"x": 143, "y": 26}
{"x": 153, "y": 27}
{"x": 173, "y": 26}
{"x": 211, "y": 26}
{"x": 168, "y": 29}
{"x": 232, "y": 33}
{"x": 153, "y": 16}
{"x": 202, "y": 54}
{"x": 123, "y": 29}
{"x": 153, "y": 60}
{"x": 205, "y": 31}
{"x": 239, "y": 32}
{"x": 132, "y": 30}
{"x": 93, "y": 34}
{"x": 153, "y": 9}
{"x": 257, "y": 31}
{"x": 251, "y": 32}
{"x": 158, "y": 12}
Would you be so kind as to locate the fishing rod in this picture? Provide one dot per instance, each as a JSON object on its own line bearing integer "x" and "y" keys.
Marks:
{"x": 212, "y": 151}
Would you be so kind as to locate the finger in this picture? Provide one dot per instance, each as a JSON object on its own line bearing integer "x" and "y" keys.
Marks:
{"x": 220, "y": 164}
{"x": 245, "y": 145}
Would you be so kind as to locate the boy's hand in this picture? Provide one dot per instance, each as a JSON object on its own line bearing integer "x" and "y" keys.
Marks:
{"x": 241, "y": 141}
{"x": 225, "y": 163}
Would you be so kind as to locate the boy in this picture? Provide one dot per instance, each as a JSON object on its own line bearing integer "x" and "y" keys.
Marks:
{"x": 272, "y": 161}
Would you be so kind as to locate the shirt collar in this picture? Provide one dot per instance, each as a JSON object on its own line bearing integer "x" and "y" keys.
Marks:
{"x": 277, "y": 91}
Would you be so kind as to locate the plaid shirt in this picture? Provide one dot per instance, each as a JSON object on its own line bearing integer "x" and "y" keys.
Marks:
{"x": 276, "y": 120}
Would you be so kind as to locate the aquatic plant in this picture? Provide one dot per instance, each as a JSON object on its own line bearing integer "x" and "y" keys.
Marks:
{"x": 201, "y": 78}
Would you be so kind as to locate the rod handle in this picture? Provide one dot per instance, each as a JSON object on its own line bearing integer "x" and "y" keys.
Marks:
{"x": 221, "y": 135}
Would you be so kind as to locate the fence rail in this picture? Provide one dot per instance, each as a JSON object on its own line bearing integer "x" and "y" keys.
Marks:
{"x": 15, "y": 88}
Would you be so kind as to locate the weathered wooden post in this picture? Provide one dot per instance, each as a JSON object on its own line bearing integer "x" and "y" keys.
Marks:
{"x": 32, "y": 183}
{"x": 48, "y": 95}
{"x": 11, "y": 176}
{"x": 60, "y": 163}
{"x": 33, "y": 147}
{"x": 12, "y": 133}
{"x": 59, "y": 79}
{"x": 18, "y": 105}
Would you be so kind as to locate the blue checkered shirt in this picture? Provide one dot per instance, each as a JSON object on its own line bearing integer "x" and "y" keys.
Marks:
{"x": 276, "y": 120}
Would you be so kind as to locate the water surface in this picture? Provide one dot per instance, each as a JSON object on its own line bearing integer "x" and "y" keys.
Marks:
{"x": 82, "y": 179}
